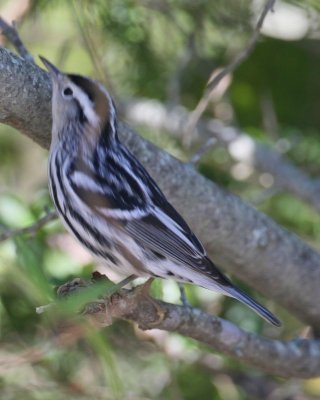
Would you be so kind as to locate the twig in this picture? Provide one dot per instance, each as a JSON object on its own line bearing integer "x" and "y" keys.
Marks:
{"x": 213, "y": 82}
{"x": 264, "y": 195}
{"x": 203, "y": 150}
{"x": 31, "y": 229}
{"x": 294, "y": 358}
{"x": 14, "y": 10}
{"x": 11, "y": 33}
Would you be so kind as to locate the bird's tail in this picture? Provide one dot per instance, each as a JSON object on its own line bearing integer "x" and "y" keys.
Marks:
{"x": 254, "y": 305}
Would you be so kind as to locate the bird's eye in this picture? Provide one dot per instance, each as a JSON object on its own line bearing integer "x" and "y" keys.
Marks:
{"x": 67, "y": 92}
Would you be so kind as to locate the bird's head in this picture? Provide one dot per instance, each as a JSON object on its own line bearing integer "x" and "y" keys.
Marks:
{"x": 80, "y": 106}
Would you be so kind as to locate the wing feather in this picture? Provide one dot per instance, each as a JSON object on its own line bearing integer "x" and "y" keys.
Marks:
{"x": 156, "y": 226}
{"x": 163, "y": 238}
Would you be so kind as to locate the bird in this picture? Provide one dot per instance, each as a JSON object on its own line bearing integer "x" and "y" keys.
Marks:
{"x": 109, "y": 202}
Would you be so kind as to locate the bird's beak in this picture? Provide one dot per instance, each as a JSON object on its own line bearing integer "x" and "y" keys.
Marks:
{"x": 53, "y": 71}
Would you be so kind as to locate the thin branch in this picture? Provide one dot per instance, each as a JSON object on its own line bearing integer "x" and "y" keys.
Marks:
{"x": 298, "y": 358}
{"x": 31, "y": 229}
{"x": 214, "y": 81}
{"x": 208, "y": 145}
{"x": 14, "y": 10}
{"x": 11, "y": 33}
{"x": 264, "y": 195}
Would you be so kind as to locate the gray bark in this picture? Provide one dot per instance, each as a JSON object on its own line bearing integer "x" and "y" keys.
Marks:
{"x": 295, "y": 358}
{"x": 241, "y": 147}
{"x": 298, "y": 358}
{"x": 238, "y": 237}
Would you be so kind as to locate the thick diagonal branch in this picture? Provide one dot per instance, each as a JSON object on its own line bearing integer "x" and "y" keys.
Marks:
{"x": 242, "y": 240}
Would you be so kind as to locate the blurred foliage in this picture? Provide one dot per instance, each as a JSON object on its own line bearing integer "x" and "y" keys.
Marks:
{"x": 163, "y": 49}
{"x": 258, "y": 77}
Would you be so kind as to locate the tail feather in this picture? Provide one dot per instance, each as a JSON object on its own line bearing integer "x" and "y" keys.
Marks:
{"x": 254, "y": 305}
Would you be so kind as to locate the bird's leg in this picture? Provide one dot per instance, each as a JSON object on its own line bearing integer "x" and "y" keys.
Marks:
{"x": 99, "y": 309}
{"x": 183, "y": 296}
{"x": 96, "y": 277}
{"x": 124, "y": 282}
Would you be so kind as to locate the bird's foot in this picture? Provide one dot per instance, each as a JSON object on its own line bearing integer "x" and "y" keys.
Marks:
{"x": 110, "y": 304}
{"x": 183, "y": 296}
{"x": 97, "y": 277}
{"x": 98, "y": 309}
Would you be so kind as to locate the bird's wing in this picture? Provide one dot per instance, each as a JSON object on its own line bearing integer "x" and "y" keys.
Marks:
{"x": 156, "y": 225}
{"x": 159, "y": 228}
{"x": 165, "y": 232}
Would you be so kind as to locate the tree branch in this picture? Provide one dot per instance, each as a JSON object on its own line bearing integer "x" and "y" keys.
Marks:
{"x": 241, "y": 147}
{"x": 12, "y": 35}
{"x": 31, "y": 229}
{"x": 244, "y": 241}
{"x": 296, "y": 358}
{"x": 299, "y": 358}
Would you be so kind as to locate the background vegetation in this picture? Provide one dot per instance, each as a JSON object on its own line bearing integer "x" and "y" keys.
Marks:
{"x": 163, "y": 50}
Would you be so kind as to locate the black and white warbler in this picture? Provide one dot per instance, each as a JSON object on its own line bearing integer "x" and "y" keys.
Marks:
{"x": 109, "y": 202}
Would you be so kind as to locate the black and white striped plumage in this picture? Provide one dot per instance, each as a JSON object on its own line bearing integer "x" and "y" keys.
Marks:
{"x": 109, "y": 202}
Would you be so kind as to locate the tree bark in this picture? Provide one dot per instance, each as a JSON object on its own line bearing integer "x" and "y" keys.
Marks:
{"x": 298, "y": 358}
{"x": 241, "y": 147}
